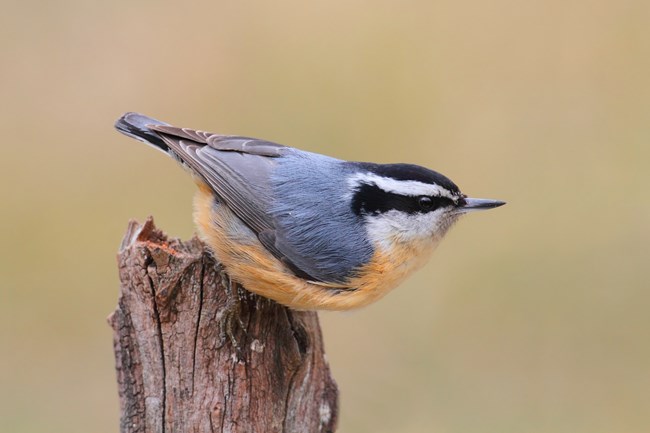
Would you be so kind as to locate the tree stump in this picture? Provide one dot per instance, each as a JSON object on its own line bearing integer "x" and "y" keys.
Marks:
{"x": 176, "y": 372}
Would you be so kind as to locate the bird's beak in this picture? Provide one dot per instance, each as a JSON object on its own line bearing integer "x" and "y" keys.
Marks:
{"x": 474, "y": 204}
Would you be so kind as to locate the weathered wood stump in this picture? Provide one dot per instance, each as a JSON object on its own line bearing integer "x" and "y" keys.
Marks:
{"x": 175, "y": 370}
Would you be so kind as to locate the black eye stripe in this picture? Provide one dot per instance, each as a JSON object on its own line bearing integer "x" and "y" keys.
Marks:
{"x": 370, "y": 199}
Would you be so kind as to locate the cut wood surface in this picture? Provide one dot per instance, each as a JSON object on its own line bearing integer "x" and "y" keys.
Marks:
{"x": 178, "y": 372}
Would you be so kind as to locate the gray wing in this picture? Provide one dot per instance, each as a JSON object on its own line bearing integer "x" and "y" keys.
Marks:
{"x": 239, "y": 169}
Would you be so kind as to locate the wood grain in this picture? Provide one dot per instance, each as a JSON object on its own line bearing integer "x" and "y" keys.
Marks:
{"x": 176, "y": 372}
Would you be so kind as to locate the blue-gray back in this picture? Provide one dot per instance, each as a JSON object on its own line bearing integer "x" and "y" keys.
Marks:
{"x": 294, "y": 201}
{"x": 315, "y": 226}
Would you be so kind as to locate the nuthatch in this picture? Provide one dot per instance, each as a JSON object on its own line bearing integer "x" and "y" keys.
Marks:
{"x": 306, "y": 230}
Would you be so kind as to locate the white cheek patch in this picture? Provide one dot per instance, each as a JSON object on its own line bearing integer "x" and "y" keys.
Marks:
{"x": 402, "y": 187}
{"x": 394, "y": 226}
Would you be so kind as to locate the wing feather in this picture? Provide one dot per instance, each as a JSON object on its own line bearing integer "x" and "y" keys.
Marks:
{"x": 280, "y": 202}
{"x": 238, "y": 169}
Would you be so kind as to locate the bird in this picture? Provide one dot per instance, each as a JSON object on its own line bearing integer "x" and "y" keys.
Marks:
{"x": 306, "y": 230}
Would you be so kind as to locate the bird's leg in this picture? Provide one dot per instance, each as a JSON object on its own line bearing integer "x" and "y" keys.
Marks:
{"x": 231, "y": 312}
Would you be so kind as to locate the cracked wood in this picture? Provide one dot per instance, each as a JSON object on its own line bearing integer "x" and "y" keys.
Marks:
{"x": 176, "y": 374}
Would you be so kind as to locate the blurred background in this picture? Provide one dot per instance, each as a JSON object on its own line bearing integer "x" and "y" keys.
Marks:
{"x": 530, "y": 318}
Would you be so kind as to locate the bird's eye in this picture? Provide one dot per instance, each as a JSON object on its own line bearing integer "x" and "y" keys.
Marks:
{"x": 425, "y": 202}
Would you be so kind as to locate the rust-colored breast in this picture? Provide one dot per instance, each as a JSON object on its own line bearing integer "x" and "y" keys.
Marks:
{"x": 251, "y": 265}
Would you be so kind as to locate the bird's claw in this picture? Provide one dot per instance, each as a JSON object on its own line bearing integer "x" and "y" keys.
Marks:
{"x": 230, "y": 314}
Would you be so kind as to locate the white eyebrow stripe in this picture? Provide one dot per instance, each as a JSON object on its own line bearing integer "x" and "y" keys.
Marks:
{"x": 403, "y": 187}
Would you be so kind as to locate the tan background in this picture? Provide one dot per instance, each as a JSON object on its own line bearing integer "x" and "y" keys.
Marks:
{"x": 531, "y": 318}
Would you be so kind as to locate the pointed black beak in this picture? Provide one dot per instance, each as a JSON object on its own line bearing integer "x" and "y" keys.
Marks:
{"x": 474, "y": 204}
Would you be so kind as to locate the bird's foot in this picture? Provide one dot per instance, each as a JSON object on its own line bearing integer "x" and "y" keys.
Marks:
{"x": 230, "y": 314}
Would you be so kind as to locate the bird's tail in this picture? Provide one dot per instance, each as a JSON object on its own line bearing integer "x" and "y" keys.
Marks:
{"x": 136, "y": 125}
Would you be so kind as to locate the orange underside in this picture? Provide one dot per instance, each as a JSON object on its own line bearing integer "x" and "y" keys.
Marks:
{"x": 250, "y": 264}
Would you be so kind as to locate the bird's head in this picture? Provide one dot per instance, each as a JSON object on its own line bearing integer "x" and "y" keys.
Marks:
{"x": 407, "y": 203}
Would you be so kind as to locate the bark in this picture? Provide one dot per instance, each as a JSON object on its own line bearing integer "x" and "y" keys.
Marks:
{"x": 175, "y": 370}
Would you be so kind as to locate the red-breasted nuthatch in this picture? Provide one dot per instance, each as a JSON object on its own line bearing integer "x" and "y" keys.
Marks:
{"x": 306, "y": 230}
